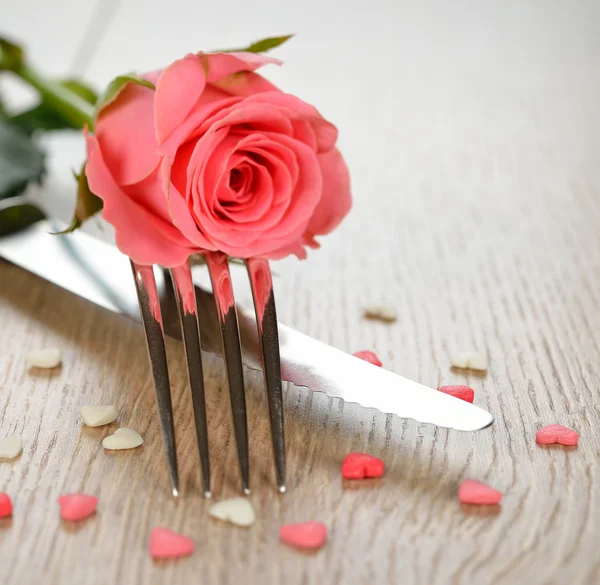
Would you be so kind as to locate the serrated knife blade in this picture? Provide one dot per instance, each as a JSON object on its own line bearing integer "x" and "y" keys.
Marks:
{"x": 106, "y": 281}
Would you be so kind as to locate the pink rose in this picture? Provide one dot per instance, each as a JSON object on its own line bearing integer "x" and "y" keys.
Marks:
{"x": 216, "y": 158}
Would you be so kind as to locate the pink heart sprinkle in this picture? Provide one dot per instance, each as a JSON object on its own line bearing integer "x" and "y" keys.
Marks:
{"x": 166, "y": 544}
{"x": 368, "y": 356}
{"x": 463, "y": 392}
{"x": 77, "y": 506}
{"x": 361, "y": 465}
{"x": 557, "y": 434}
{"x": 5, "y": 506}
{"x": 304, "y": 534}
{"x": 475, "y": 492}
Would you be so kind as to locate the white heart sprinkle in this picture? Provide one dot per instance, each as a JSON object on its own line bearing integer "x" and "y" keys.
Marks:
{"x": 97, "y": 416}
{"x": 469, "y": 361}
{"x": 385, "y": 314}
{"x": 11, "y": 446}
{"x": 238, "y": 511}
{"x": 49, "y": 357}
{"x": 123, "y": 439}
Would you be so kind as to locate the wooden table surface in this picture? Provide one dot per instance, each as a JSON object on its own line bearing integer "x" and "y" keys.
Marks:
{"x": 472, "y": 131}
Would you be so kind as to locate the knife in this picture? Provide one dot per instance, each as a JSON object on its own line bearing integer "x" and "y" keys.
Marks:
{"x": 98, "y": 272}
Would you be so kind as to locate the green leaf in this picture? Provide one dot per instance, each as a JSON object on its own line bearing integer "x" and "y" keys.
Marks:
{"x": 21, "y": 161}
{"x": 46, "y": 117}
{"x": 18, "y": 217}
{"x": 82, "y": 89}
{"x": 88, "y": 204}
{"x": 116, "y": 86}
{"x": 11, "y": 55}
{"x": 41, "y": 117}
{"x": 262, "y": 46}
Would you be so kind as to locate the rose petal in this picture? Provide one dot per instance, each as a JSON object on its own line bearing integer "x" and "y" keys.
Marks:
{"x": 250, "y": 206}
{"x": 260, "y": 117}
{"x": 288, "y": 231}
{"x": 150, "y": 194}
{"x": 222, "y": 65}
{"x": 126, "y": 135}
{"x": 303, "y": 131}
{"x": 308, "y": 189}
{"x": 211, "y": 103}
{"x": 325, "y": 132}
{"x": 139, "y": 234}
{"x": 200, "y": 172}
{"x": 178, "y": 89}
{"x": 244, "y": 83}
{"x": 336, "y": 200}
{"x": 181, "y": 215}
{"x": 274, "y": 172}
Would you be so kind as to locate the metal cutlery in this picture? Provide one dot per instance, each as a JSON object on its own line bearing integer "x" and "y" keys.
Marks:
{"x": 105, "y": 280}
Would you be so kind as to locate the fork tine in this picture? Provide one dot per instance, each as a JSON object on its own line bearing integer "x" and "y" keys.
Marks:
{"x": 230, "y": 337}
{"x": 266, "y": 319}
{"x": 145, "y": 285}
{"x": 188, "y": 314}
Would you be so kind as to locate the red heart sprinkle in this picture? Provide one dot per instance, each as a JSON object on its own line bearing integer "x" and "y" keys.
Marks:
{"x": 557, "y": 434}
{"x": 5, "y": 506}
{"x": 77, "y": 506}
{"x": 304, "y": 534}
{"x": 475, "y": 492}
{"x": 463, "y": 392}
{"x": 166, "y": 544}
{"x": 368, "y": 356}
{"x": 360, "y": 465}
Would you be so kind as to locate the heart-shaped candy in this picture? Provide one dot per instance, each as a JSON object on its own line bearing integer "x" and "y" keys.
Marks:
{"x": 475, "y": 492}
{"x": 557, "y": 434}
{"x": 361, "y": 465}
{"x": 97, "y": 416}
{"x": 10, "y": 446}
{"x": 5, "y": 506}
{"x": 77, "y": 506}
{"x": 238, "y": 511}
{"x": 46, "y": 358}
{"x": 368, "y": 356}
{"x": 166, "y": 544}
{"x": 463, "y": 392}
{"x": 309, "y": 535}
{"x": 123, "y": 439}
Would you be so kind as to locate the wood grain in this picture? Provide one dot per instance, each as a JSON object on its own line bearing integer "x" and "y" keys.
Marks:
{"x": 473, "y": 138}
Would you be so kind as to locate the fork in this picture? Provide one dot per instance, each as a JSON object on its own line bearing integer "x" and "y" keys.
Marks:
{"x": 264, "y": 303}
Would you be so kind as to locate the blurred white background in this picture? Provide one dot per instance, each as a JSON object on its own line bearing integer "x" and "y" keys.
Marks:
{"x": 449, "y": 113}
